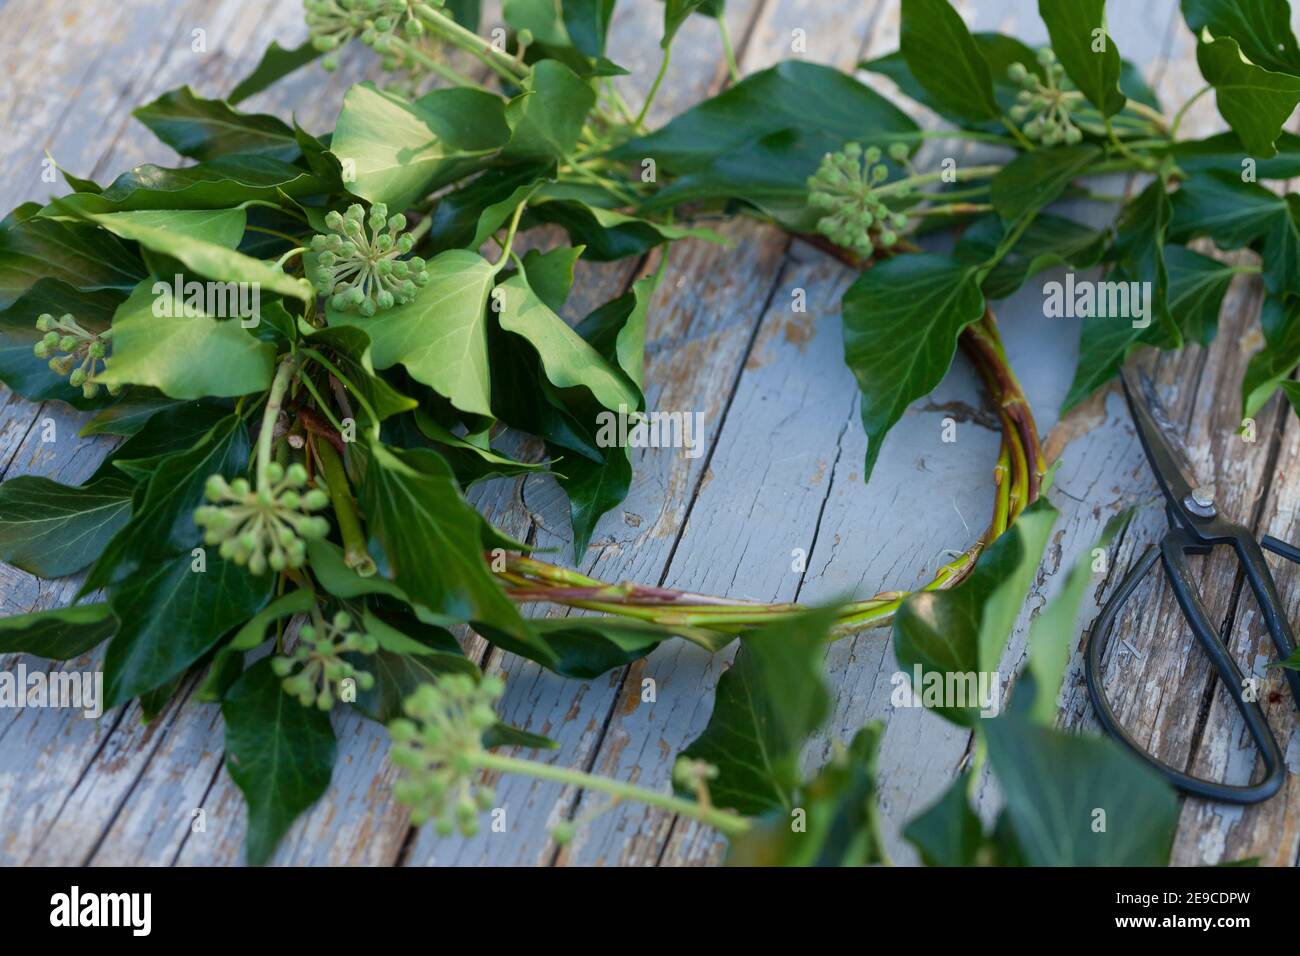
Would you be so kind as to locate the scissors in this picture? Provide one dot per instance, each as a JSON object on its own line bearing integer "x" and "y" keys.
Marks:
{"x": 1195, "y": 527}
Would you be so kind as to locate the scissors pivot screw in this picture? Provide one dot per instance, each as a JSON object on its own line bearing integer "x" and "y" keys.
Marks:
{"x": 1201, "y": 501}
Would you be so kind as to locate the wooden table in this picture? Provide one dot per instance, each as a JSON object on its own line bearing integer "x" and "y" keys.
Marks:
{"x": 781, "y": 471}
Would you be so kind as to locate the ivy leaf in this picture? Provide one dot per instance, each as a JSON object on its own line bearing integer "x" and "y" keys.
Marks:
{"x": 546, "y": 118}
{"x": 1074, "y": 26}
{"x": 1261, "y": 27}
{"x": 948, "y": 833}
{"x": 162, "y": 516}
{"x": 569, "y": 362}
{"x": 399, "y": 150}
{"x": 171, "y": 616}
{"x": 944, "y": 59}
{"x": 587, "y": 22}
{"x": 77, "y": 254}
{"x": 1048, "y": 241}
{"x": 1197, "y": 285}
{"x": 606, "y": 234}
{"x": 1274, "y": 363}
{"x": 352, "y": 354}
{"x": 1139, "y": 252}
{"x": 178, "y": 426}
{"x": 59, "y": 634}
{"x": 276, "y": 63}
{"x": 279, "y": 753}
{"x": 455, "y": 220}
{"x": 441, "y": 336}
{"x": 184, "y": 357}
{"x": 401, "y": 665}
{"x": 1055, "y": 782}
{"x": 128, "y": 414}
{"x": 216, "y": 184}
{"x": 1219, "y": 205}
{"x": 1225, "y": 150}
{"x": 767, "y": 102}
{"x": 1033, "y": 180}
{"x": 964, "y": 631}
{"x": 1052, "y": 634}
{"x": 227, "y": 663}
{"x": 840, "y": 827}
{"x": 19, "y": 368}
{"x": 205, "y": 129}
{"x": 767, "y": 704}
{"x": 430, "y": 537}
{"x": 49, "y": 530}
{"x": 901, "y": 323}
{"x": 1255, "y": 102}
{"x": 676, "y": 12}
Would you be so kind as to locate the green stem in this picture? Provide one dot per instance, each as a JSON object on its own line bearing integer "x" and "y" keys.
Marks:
{"x": 959, "y": 175}
{"x": 498, "y": 60}
{"x": 1182, "y": 110}
{"x": 732, "y": 67}
{"x": 448, "y": 73}
{"x": 1020, "y": 137}
{"x": 654, "y": 87}
{"x": 510, "y": 237}
{"x": 727, "y": 823}
{"x": 1156, "y": 118}
{"x": 355, "y": 555}
{"x": 274, "y": 400}
{"x": 360, "y": 396}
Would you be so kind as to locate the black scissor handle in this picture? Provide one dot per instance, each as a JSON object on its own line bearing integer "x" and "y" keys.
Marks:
{"x": 1172, "y": 552}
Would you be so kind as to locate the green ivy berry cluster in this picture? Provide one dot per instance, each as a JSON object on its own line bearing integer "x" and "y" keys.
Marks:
{"x": 83, "y": 351}
{"x": 437, "y": 746}
{"x": 332, "y": 23}
{"x": 845, "y": 188}
{"x": 358, "y": 267}
{"x": 1047, "y": 103}
{"x": 315, "y": 671}
{"x": 265, "y": 526}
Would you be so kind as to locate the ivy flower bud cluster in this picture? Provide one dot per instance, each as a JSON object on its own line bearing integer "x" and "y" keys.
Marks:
{"x": 83, "y": 352}
{"x": 332, "y": 23}
{"x": 437, "y": 745}
{"x": 315, "y": 670}
{"x": 358, "y": 267}
{"x": 845, "y": 188}
{"x": 265, "y": 527}
{"x": 1047, "y": 105}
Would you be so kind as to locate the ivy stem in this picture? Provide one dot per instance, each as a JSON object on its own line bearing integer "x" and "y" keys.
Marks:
{"x": 274, "y": 400}
{"x": 723, "y": 821}
{"x": 355, "y": 555}
{"x": 498, "y": 60}
{"x": 1182, "y": 110}
{"x": 654, "y": 87}
{"x": 959, "y": 175}
{"x": 510, "y": 237}
{"x": 448, "y": 73}
{"x": 733, "y": 67}
{"x": 1156, "y": 118}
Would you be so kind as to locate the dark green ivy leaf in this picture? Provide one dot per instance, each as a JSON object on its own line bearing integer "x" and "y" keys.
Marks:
{"x": 1256, "y": 102}
{"x": 1274, "y": 363}
{"x": 50, "y": 530}
{"x": 1033, "y": 180}
{"x": 546, "y": 118}
{"x": 1048, "y": 241}
{"x": 901, "y": 322}
{"x": 279, "y": 753}
{"x": 943, "y": 57}
{"x": 77, "y": 254}
{"x": 205, "y": 129}
{"x": 1055, "y": 783}
{"x": 948, "y": 833}
{"x": 1089, "y": 56}
{"x": 767, "y": 703}
{"x": 1262, "y": 28}
{"x": 1197, "y": 285}
{"x": 59, "y": 634}
{"x": 276, "y": 63}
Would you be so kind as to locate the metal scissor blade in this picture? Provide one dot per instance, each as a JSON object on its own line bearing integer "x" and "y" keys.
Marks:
{"x": 1165, "y": 451}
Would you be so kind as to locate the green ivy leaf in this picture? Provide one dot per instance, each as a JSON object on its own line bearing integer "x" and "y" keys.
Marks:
{"x": 171, "y": 616}
{"x": 1255, "y": 102}
{"x": 75, "y": 253}
{"x": 430, "y": 538}
{"x": 944, "y": 59}
{"x": 1048, "y": 241}
{"x": 351, "y": 350}
{"x": 964, "y": 630}
{"x": 441, "y": 336}
{"x": 1139, "y": 252}
{"x": 546, "y": 118}
{"x": 1219, "y": 205}
{"x": 1274, "y": 363}
{"x": 606, "y": 234}
{"x": 59, "y": 634}
{"x": 400, "y": 151}
{"x": 279, "y": 753}
{"x": 767, "y": 102}
{"x": 841, "y": 826}
{"x": 184, "y": 357}
{"x": 901, "y": 323}
{"x": 767, "y": 704}
{"x": 1261, "y": 27}
{"x": 1053, "y": 784}
{"x": 587, "y": 22}
{"x": 676, "y": 12}
{"x": 276, "y": 63}
{"x": 1033, "y": 180}
{"x": 1224, "y": 151}
{"x": 49, "y": 530}
{"x": 1197, "y": 285}
{"x": 1073, "y": 26}
{"x": 205, "y": 129}
{"x": 948, "y": 833}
